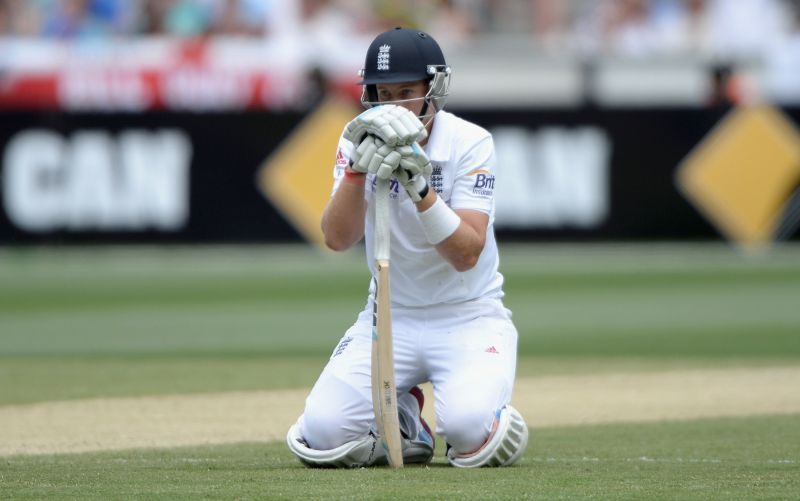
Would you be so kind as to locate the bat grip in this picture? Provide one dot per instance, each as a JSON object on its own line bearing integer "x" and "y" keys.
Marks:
{"x": 382, "y": 220}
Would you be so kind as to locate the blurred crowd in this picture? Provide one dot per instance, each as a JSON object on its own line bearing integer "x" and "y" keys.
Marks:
{"x": 81, "y": 19}
{"x": 620, "y": 27}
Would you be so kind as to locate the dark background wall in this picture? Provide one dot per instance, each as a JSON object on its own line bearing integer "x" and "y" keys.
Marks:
{"x": 227, "y": 150}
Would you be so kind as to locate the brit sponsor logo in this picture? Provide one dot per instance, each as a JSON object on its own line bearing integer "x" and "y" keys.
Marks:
{"x": 383, "y": 57}
{"x": 484, "y": 182}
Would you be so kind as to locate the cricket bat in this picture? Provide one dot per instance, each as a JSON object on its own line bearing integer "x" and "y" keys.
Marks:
{"x": 384, "y": 390}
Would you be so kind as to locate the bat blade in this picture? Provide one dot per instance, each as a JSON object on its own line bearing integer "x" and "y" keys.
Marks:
{"x": 384, "y": 390}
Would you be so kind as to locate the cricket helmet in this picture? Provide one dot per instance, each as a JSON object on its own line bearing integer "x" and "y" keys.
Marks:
{"x": 404, "y": 55}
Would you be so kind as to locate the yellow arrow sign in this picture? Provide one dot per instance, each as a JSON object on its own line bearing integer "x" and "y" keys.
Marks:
{"x": 745, "y": 174}
{"x": 298, "y": 177}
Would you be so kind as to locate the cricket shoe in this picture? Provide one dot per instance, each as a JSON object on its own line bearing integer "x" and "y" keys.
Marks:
{"x": 418, "y": 442}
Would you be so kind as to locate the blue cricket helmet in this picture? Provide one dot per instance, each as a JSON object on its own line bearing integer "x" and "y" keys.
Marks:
{"x": 404, "y": 55}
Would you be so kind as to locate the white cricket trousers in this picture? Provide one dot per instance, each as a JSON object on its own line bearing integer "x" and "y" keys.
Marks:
{"x": 467, "y": 351}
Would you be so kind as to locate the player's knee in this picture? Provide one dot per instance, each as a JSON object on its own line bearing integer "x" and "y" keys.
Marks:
{"x": 334, "y": 414}
{"x": 466, "y": 427}
{"x": 505, "y": 445}
{"x": 326, "y": 429}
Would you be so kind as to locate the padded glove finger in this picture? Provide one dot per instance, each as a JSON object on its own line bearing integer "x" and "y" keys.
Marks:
{"x": 417, "y": 131}
{"x": 388, "y": 166}
{"x": 415, "y": 160}
{"x": 357, "y": 128}
{"x": 364, "y": 153}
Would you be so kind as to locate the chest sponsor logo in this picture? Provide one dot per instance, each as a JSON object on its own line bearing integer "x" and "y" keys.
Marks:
{"x": 394, "y": 187}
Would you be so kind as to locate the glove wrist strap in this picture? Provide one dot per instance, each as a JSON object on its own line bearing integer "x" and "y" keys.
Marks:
{"x": 418, "y": 189}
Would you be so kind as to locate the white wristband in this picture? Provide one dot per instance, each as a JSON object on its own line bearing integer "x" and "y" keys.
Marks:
{"x": 439, "y": 221}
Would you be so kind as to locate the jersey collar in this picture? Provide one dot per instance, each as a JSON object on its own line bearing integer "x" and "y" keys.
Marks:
{"x": 438, "y": 149}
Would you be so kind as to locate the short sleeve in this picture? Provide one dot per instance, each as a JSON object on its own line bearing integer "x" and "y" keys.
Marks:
{"x": 344, "y": 153}
{"x": 473, "y": 187}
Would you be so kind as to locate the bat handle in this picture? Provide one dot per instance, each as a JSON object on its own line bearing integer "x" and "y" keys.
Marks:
{"x": 382, "y": 221}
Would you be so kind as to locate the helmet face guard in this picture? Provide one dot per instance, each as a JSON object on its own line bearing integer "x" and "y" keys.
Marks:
{"x": 434, "y": 100}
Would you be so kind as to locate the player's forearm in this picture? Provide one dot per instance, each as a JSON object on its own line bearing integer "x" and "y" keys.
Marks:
{"x": 458, "y": 237}
{"x": 343, "y": 219}
{"x": 463, "y": 248}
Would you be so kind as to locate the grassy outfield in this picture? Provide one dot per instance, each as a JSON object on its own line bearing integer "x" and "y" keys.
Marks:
{"x": 641, "y": 301}
{"x": 140, "y": 321}
{"x": 115, "y": 322}
{"x": 710, "y": 459}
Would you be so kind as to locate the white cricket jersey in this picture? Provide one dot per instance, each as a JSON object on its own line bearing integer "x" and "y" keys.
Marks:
{"x": 463, "y": 160}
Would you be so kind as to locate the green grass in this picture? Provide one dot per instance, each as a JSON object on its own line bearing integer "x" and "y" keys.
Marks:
{"x": 36, "y": 379}
{"x": 633, "y": 301}
{"x": 29, "y": 379}
{"x": 144, "y": 320}
{"x": 94, "y": 322}
{"x": 753, "y": 458}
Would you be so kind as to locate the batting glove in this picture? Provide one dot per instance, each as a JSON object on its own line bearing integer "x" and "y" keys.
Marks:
{"x": 375, "y": 157}
{"x": 395, "y": 125}
{"x": 414, "y": 160}
{"x": 415, "y": 186}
